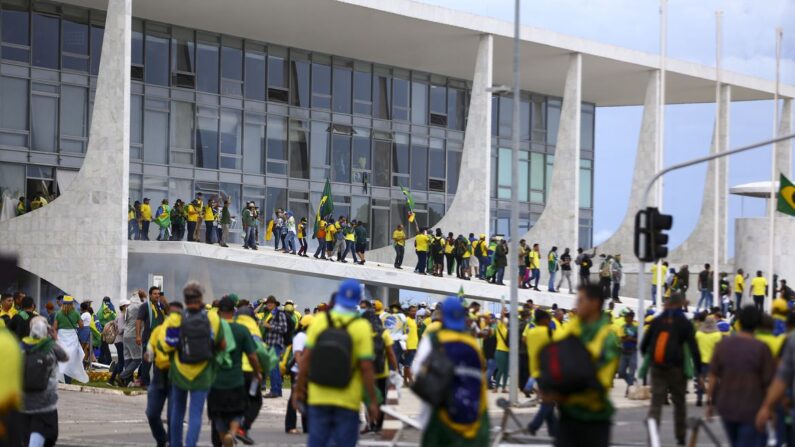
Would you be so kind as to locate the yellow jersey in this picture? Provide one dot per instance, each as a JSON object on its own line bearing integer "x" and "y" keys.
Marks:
{"x": 412, "y": 335}
{"x": 421, "y": 242}
{"x": 758, "y": 286}
{"x": 502, "y": 337}
{"x": 331, "y": 230}
{"x": 399, "y": 237}
{"x": 706, "y": 343}
{"x": 146, "y": 212}
{"x": 739, "y": 283}
{"x": 663, "y": 273}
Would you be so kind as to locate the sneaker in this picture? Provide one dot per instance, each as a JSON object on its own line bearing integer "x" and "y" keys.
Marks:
{"x": 243, "y": 437}
{"x": 271, "y": 396}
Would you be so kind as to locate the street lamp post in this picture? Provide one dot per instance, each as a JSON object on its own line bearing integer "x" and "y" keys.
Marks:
{"x": 513, "y": 252}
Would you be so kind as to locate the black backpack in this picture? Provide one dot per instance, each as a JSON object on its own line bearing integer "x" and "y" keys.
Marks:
{"x": 38, "y": 368}
{"x": 666, "y": 348}
{"x": 288, "y": 336}
{"x": 433, "y": 380}
{"x": 195, "y": 338}
{"x": 332, "y": 356}
{"x": 566, "y": 368}
{"x": 436, "y": 245}
{"x": 379, "y": 348}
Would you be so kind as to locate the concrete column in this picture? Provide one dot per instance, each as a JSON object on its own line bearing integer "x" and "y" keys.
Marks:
{"x": 469, "y": 211}
{"x": 784, "y": 148}
{"x": 622, "y": 240}
{"x": 559, "y": 223}
{"x": 79, "y": 241}
{"x": 697, "y": 248}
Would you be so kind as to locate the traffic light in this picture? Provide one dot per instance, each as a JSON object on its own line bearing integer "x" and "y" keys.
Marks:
{"x": 651, "y": 239}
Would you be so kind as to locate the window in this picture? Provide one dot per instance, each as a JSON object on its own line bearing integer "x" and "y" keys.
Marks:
{"x": 524, "y": 176}
{"x": 232, "y": 67}
{"x": 97, "y": 35}
{"x": 548, "y": 173}
{"x": 231, "y": 139}
{"x": 277, "y": 75}
{"x": 586, "y": 179}
{"x": 400, "y": 154}
{"x": 504, "y": 173}
{"x": 381, "y": 95}
{"x": 587, "y": 127}
{"x": 255, "y": 72}
{"x": 74, "y": 113}
{"x": 436, "y": 159}
{"x": 419, "y": 164}
{"x": 46, "y": 40}
{"x": 438, "y": 105}
{"x": 183, "y": 58}
{"x": 136, "y": 126}
{"x": 254, "y": 144}
{"x": 137, "y": 51}
{"x": 538, "y": 119}
{"x": 341, "y": 100}
{"x": 341, "y": 158}
{"x": 553, "y": 120}
{"x": 360, "y": 156}
{"x": 400, "y": 99}
{"x": 321, "y": 86}
{"x": 435, "y": 213}
{"x": 75, "y": 45}
{"x": 277, "y": 145}
{"x": 524, "y": 118}
{"x": 453, "y": 166}
{"x": 156, "y": 130}
{"x": 506, "y": 116}
{"x": 299, "y": 149}
{"x": 299, "y": 81}
{"x": 419, "y": 102}
{"x": 12, "y": 179}
{"x": 15, "y": 35}
{"x": 362, "y": 93}
{"x": 207, "y": 138}
{"x": 182, "y": 132}
{"x": 381, "y": 157}
{"x": 277, "y": 198}
{"x": 156, "y": 67}
{"x": 319, "y": 149}
{"x": 14, "y": 111}
{"x": 207, "y": 64}
{"x": 44, "y": 115}
{"x": 456, "y": 106}
{"x": 537, "y": 170}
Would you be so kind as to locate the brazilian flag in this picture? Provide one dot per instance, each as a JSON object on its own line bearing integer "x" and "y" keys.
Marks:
{"x": 786, "y": 196}
{"x": 325, "y": 207}
{"x": 409, "y": 202}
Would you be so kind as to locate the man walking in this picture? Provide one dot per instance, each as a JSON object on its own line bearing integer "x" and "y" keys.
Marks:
{"x": 146, "y": 218}
{"x": 665, "y": 342}
{"x": 150, "y": 316}
{"x": 421, "y": 243}
{"x": 565, "y": 270}
{"x": 399, "y": 242}
{"x": 249, "y": 227}
{"x": 132, "y": 349}
{"x": 554, "y": 266}
{"x": 739, "y": 288}
{"x": 705, "y": 287}
{"x": 275, "y": 327}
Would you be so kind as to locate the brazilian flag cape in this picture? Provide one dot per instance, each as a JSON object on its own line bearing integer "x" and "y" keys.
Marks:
{"x": 786, "y": 196}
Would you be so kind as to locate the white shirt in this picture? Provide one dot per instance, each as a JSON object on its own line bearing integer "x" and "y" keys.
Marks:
{"x": 423, "y": 351}
{"x": 86, "y": 317}
{"x": 298, "y": 346}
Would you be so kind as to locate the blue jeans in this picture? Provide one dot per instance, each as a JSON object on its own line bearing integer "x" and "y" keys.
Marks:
{"x": 551, "y": 285}
{"x": 483, "y": 264}
{"x": 706, "y": 298}
{"x": 209, "y": 232}
{"x": 145, "y": 230}
{"x": 132, "y": 230}
{"x": 178, "y": 401}
{"x": 491, "y": 366}
{"x": 744, "y": 434}
{"x": 738, "y": 297}
{"x": 535, "y": 276}
{"x": 276, "y": 375}
{"x": 422, "y": 261}
{"x": 277, "y": 237}
{"x": 627, "y": 366}
{"x": 333, "y": 426}
{"x": 546, "y": 413}
{"x": 500, "y": 274}
{"x": 349, "y": 247}
{"x": 156, "y": 397}
{"x": 251, "y": 237}
{"x": 653, "y": 294}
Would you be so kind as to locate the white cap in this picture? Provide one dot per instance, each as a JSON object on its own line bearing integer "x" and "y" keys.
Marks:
{"x": 124, "y": 302}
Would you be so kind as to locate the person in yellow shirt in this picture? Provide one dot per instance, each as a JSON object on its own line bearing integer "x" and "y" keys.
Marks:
{"x": 7, "y": 309}
{"x": 536, "y": 338}
{"x": 320, "y": 235}
{"x": 399, "y": 242}
{"x": 193, "y": 211}
{"x": 421, "y": 245}
{"x": 331, "y": 231}
{"x": 739, "y": 287}
{"x": 449, "y": 254}
{"x": 146, "y": 218}
{"x": 412, "y": 341}
{"x": 707, "y": 337}
{"x": 657, "y": 277}
{"x": 759, "y": 290}
{"x": 501, "y": 355}
{"x": 209, "y": 222}
{"x": 627, "y": 333}
{"x": 334, "y": 409}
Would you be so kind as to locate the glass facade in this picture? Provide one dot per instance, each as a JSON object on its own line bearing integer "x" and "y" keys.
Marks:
{"x": 254, "y": 121}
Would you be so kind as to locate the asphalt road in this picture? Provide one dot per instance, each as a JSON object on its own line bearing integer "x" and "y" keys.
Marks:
{"x": 88, "y": 420}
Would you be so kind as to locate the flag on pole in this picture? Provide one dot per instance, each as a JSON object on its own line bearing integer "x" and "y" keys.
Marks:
{"x": 325, "y": 207}
{"x": 786, "y": 196}
{"x": 409, "y": 202}
{"x": 461, "y": 292}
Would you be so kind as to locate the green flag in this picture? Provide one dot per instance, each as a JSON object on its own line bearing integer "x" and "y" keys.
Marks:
{"x": 326, "y": 205}
{"x": 409, "y": 202}
{"x": 786, "y": 196}
{"x": 461, "y": 292}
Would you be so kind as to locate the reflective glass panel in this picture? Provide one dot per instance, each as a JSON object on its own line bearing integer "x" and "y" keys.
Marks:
{"x": 321, "y": 86}
{"x": 506, "y": 116}
{"x": 277, "y": 72}
{"x": 255, "y": 75}
{"x": 419, "y": 102}
{"x": 46, "y": 39}
{"x": 419, "y": 167}
{"x": 136, "y": 119}
{"x": 436, "y": 159}
{"x": 439, "y": 99}
{"x": 277, "y": 138}
{"x": 97, "y": 35}
{"x": 182, "y": 130}
{"x": 232, "y": 67}
{"x": 553, "y": 120}
{"x": 253, "y": 148}
{"x": 400, "y": 99}
{"x": 456, "y": 107}
{"x": 504, "y": 173}
{"x": 207, "y": 64}
{"x": 15, "y": 27}
{"x": 74, "y": 109}
{"x": 231, "y": 140}
{"x": 342, "y": 90}
{"x": 341, "y": 158}
{"x": 13, "y": 103}
{"x": 156, "y": 67}
{"x": 400, "y": 155}
{"x": 381, "y": 168}
{"x": 207, "y": 142}
{"x": 362, "y": 94}
{"x": 155, "y": 136}
{"x": 453, "y": 166}
{"x": 75, "y": 42}
{"x": 299, "y": 73}
{"x": 299, "y": 151}
{"x": 137, "y": 53}
{"x": 524, "y": 118}
{"x": 44, "y": 122}
{"x": 381, "y": 96}
{"x": 183, "y": 49}
{"x": 361, "y": 152}
{"x": 319, "y": 148}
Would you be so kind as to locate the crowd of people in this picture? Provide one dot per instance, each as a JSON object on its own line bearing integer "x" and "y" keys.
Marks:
{"x": 228, "y": 354}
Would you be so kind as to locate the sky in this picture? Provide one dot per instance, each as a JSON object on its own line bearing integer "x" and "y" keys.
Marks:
{"x": 748, "y": 47}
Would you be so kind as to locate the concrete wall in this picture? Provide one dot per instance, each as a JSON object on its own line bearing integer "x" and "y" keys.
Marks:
{"x": 79, "y": 241}
{"x": 469, "y": 211}
{"x": 751, "y": 246}
{"x": 559, "y": 223}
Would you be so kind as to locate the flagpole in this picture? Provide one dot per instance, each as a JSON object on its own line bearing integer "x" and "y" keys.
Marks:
{"x": 513, "y": 252}
{"x": 660, "y": 160}
{"x": 718, "y": 148}
{"x": 773, "y": 175}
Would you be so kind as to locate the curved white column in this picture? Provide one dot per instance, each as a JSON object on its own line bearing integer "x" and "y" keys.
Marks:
{"x": 469, "y": 211}
{"x": 79, "y": 241}
{"x": 559, "y": 223}
{"x": 622, "y": 240}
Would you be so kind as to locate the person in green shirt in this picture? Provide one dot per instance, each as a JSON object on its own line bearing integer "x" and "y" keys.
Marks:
{"x": 21, "y": 209}
{"x": 227, "y": 400}
{"x": 360, "y": 235}
{"x": 178, "y": 219}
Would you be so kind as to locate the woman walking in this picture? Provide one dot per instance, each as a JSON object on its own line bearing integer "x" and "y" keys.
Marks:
{"x": 67, "y": 323}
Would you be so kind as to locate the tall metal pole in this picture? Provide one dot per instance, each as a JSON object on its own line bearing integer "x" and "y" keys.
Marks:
{"x": 661, "y": 130}
{"x": 716, "y": 178}
{"x": 513, "y": 267}
{"x": 773, "y": 178}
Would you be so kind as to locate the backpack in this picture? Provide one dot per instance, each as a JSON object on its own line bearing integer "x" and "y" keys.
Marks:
{"x": 39, "y": 364}
{"x": 566, "y": 367}
{"x": 332, "y": 356}
{"x": 195, "y": 338}
{"x": 460, "y": 248}
{"x": 436, "y": 245}
{"x": 109, "y": 332}
{"x": 433, "y": 380}
{"x": 379, "y": 351}
{"x": 666, "y": 345}
{"x": 604, "y": 271}
{"x": 288, "y": 336}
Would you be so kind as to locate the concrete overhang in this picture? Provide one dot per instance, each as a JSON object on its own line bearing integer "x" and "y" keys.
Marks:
{"x": 409, "y": 34}
{"x": 754, "y": 189}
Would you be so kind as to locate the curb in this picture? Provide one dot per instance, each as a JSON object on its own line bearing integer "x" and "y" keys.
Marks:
{"x": 97, "y": 390}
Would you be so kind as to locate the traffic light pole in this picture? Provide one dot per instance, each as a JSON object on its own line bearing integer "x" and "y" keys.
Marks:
{"x": 644, "y": 203}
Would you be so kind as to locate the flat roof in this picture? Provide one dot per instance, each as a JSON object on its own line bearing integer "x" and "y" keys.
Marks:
{"x": 418, "y": 36}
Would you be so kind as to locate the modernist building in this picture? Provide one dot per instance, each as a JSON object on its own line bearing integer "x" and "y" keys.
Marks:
{"x": 264, "y": 101}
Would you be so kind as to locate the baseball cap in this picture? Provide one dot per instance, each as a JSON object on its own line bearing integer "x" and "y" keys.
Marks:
{"x": 226, "y": 304}
{"x": 378, "y": 305}
{"x": 349, "y": 294}
{"x": 68, "y": 299}
{"x": 453, "y": 314}
{"x": 124, "y": 302}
